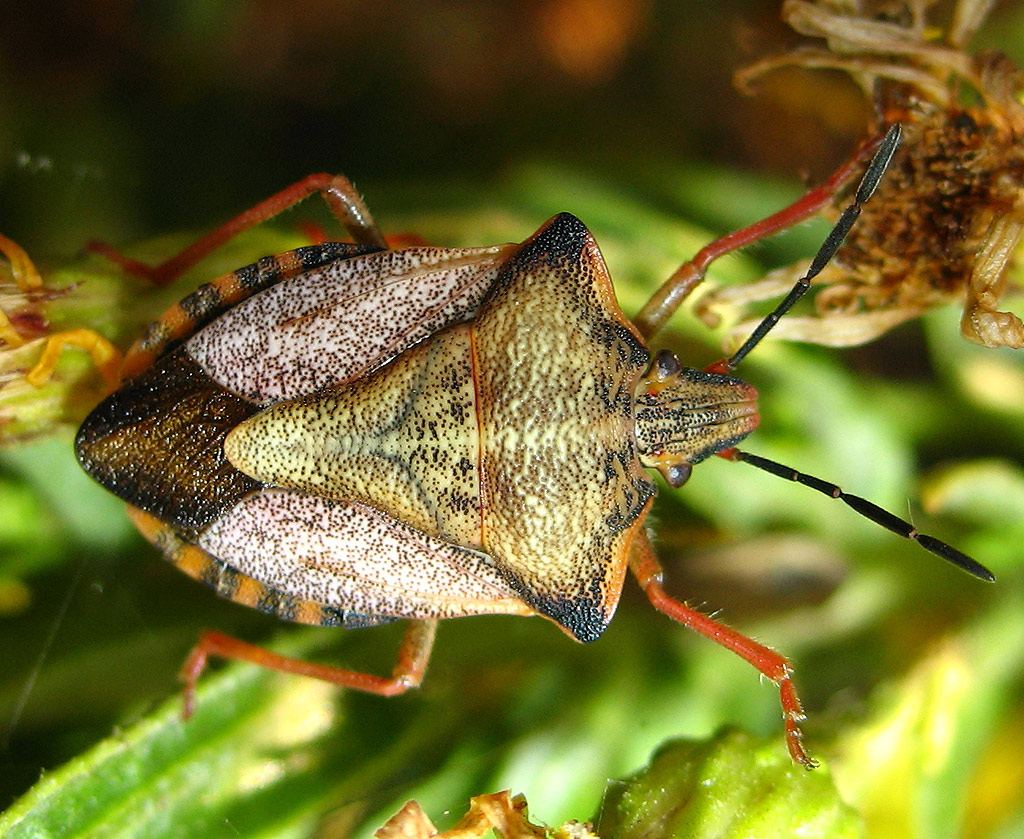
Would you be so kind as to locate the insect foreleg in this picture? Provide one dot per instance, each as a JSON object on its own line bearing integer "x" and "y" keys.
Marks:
{"x": 677, "y": 288}
{"x": 647, "y": 570}
{"x": 834, "y": 240}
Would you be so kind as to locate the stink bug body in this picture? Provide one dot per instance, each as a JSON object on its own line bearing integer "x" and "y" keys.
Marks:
{"x": 348, "y": 434}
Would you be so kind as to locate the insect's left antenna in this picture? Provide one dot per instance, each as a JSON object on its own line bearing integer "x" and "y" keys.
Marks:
{"x": 868, "y": 184}
{"x": 867, "y": 509}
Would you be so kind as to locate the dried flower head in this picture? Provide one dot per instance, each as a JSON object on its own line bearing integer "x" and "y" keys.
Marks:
{"x": 33, "y": 401}
{"x": 950, "y": 212}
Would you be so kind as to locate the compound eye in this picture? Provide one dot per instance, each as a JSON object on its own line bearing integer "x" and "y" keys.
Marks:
{"x": 667, "y": 364}
{"x": 678, "y": 474}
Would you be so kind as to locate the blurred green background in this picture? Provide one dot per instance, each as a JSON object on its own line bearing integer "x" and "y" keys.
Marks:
{"x": 471, "y": 123}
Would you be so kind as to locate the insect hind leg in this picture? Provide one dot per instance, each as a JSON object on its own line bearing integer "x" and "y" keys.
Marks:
{"x": 337, "y": 191}
{"x": 413, "y": 655}
{"x": 408, "y": 672}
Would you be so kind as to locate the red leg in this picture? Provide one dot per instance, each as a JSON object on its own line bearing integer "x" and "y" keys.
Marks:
{"x": 408, "y": 672}
{"x": 336, "y": 190}
{"x": 687, "y": 277}
{"x": 829, "y": 248}
{"x": 647, "y": 570}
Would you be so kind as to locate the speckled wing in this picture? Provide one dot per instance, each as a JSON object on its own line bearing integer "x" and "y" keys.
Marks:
{"x": 157, "y": 442}
{"x": 348, "y": 555}
{"x": 336, "y": 323}
{"x": 562, "y": 487}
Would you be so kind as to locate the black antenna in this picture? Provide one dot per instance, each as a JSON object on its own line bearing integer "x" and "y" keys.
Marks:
{"x": 868, "y": 184}
{"x": 868, "y": 510}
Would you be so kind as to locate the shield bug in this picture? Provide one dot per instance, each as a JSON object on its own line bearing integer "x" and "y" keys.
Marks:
{"x": 950, "y": 213}
{"x": 348, "y": 434}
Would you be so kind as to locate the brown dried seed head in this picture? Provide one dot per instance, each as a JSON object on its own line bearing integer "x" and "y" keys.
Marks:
{"x": 915, "y": 244}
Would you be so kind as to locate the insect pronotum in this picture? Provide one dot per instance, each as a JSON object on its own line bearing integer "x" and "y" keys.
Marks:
{"x": 348, "y": 434}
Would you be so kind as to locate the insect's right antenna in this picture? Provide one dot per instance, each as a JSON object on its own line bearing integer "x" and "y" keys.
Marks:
{"x": 867, "y": 509}
{"x": 868, "y": 184}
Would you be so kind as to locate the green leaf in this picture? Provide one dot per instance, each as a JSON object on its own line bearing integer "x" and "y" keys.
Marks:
{"x": 731, "y": 787}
